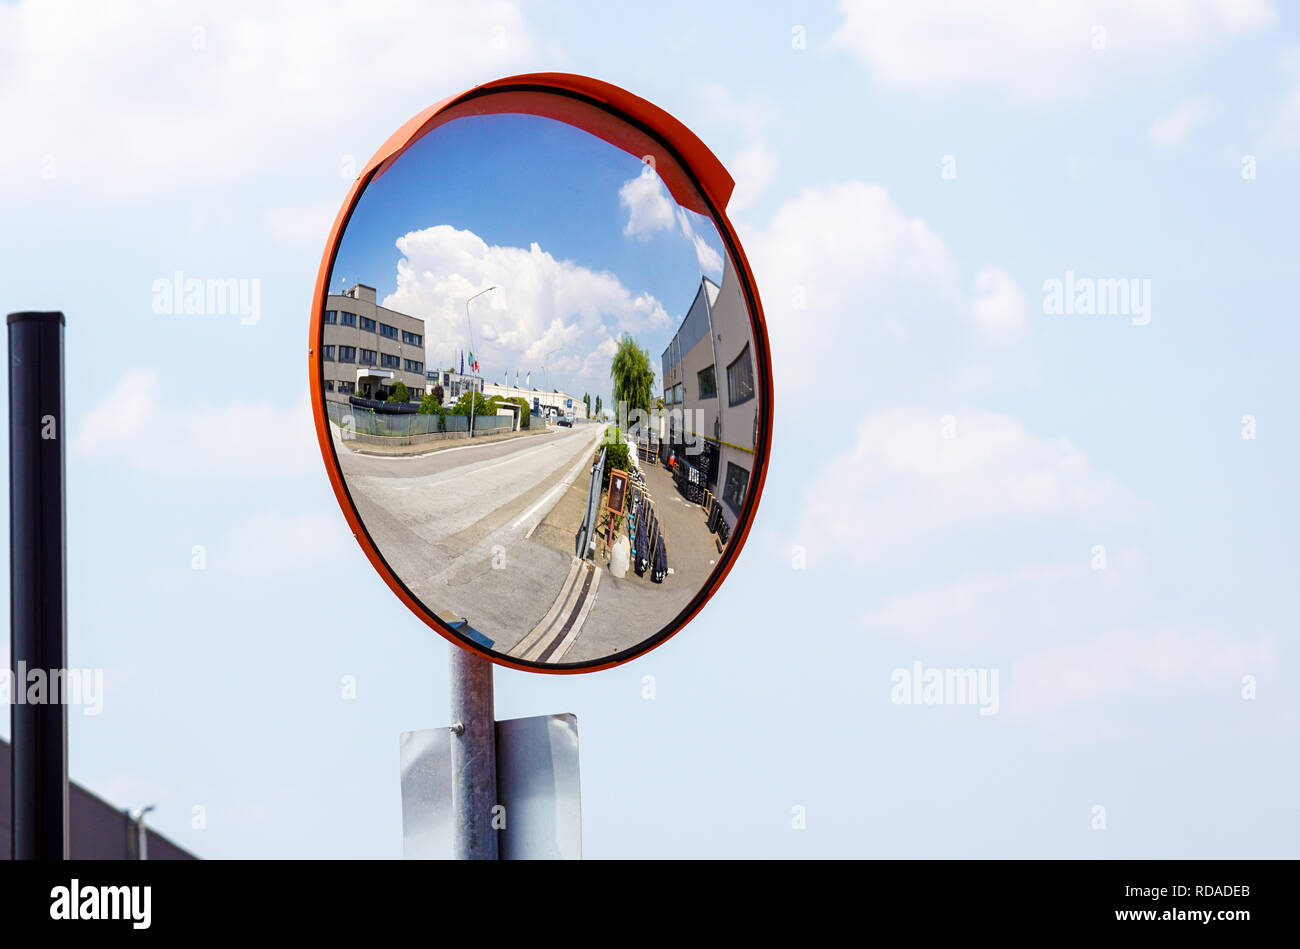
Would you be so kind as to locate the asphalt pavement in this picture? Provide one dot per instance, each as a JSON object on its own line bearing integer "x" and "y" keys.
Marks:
{"x": 485, "y": 532}
{"x": 454, "y": 524}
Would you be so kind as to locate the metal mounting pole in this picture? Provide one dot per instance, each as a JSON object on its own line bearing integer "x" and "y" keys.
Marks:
{"x": 473, "y": 756}
{"x": 38, "y": 629}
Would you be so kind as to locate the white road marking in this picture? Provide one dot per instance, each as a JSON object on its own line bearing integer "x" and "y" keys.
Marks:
{"x": 526, "y": 644}
{"x": 560, "y": 487}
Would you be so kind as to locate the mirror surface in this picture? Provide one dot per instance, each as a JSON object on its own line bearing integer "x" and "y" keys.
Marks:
{"x": 542, "y": 383}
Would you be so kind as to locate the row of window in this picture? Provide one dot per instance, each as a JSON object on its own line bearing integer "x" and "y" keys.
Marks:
{"x": 350, "y": 388}
{"x": 344, "y": 318}
{"x": 366, "y": 357}
{"x": 740, "y": 382}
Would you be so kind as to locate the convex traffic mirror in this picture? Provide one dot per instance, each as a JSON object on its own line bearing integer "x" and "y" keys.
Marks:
{"x": 540, "y": 372}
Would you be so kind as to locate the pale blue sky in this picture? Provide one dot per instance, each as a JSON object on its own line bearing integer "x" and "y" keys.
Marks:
{"x": 217, "y": 139}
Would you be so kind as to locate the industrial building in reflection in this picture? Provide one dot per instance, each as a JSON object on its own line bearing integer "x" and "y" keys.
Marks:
{"x": 710, "y": 401}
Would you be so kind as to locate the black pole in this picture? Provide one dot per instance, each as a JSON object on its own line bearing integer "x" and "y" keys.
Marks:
{"x": 38, "y": 629}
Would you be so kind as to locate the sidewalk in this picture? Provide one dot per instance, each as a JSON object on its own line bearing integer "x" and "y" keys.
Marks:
{"x": 692, "y": 550}
{"x": 369, "y": 444}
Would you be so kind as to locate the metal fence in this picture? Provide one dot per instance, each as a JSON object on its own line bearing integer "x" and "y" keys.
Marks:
{"x": 365, "y": 422}
{"x": 583, "y": 539}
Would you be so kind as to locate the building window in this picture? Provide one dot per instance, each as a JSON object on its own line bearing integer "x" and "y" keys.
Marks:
{"x": 329, "y": 385}
{"x": 389, "y": 362}
{"x": 367, "y": 357}
{"x": 331, "y": 316}
{"x": 708, "y": 383}
{"x": 734, "y": 491}
{"x": 347, "y": 354}
{"x": 327, "y": 353}
{"x": 740, "y": 379}
{"x": 347, "y": 319}
{"x": 347, "y": 388}
{"x": 367, "y": 324}
{"x": 414, "y": 339}
{"x": 389, "y": 331}
{"x": 413, "y": 366}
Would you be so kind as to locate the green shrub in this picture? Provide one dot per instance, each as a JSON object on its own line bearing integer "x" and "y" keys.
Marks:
{"x": 616, "y": 454}
{"x": 482, "y": 406}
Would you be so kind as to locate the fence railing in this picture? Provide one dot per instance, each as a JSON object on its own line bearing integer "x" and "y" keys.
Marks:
{"x": 582, "y": 542}
{"x": 363, "y": 421}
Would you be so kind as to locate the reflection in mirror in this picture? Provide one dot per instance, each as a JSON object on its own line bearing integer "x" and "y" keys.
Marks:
{"x": 542, "y": 383}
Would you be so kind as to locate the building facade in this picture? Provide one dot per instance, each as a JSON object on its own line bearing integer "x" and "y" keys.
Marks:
{"x": 542, "y": 403}
{"x": 366, "y": 349}
{"x": 454, "y": 384}
{"x": 96, "y": 829}
{"x": 709, "y": 391}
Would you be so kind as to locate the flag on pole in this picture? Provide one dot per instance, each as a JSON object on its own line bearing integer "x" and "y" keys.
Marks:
{"x": 473, "y": 363}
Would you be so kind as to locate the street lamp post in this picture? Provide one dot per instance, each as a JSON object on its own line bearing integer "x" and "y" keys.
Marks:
{"x": 139, "y": 842}
{"x": 471, "y": 350}
{"x": 38, "y": 573}
{"x": 546, "y": 367}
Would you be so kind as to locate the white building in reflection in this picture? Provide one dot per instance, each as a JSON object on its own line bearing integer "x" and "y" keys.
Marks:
{"x": 541, "y": 402}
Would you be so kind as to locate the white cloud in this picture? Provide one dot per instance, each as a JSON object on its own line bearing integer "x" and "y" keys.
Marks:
{"x": 135, "y": 424}
{"x": 1020, "y": 604}
{"x": 1037, "y": 51}
{"x": 959, "y": 612}
{"x": 1116, "y": 664}
{"x": 276, "y": 543}
{"x": 542, "y": 304}
{"x": 151, "y": 95}
{"x": 717, "y": 105}
{"x": 649, "y": 209}
{"x": 911, "y": 485}
{"x": 1171, "y": 130}
{"x": 1284, "y": 128}
{"x": 710, "y": 260}
{"x": 999, "y": 307}
{"x": 753, "y": 169}
{"x": 852, "y": 286}
{"x": 302, "y": 223}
